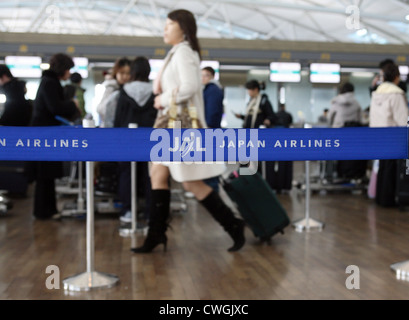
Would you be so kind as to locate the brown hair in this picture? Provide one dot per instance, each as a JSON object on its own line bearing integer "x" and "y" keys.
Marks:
{"x": 119, "y": 63}
{"x": 390, "y": 72}
{"x": 140, "y": 69}
{"x": 60, "y": 63}
{"x": 210, "y": 69}
{"x": 187, "y": 23}
{"x": 254, "y": 84}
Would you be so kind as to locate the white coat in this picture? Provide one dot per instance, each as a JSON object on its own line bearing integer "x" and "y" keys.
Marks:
{"x": 182, "y": 72}
{"x": 389, "y": 107}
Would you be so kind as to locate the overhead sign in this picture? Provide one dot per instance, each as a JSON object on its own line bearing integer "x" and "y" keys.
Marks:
{"x": 285, "y": 72}
{"x": 325, "y": 73}
{"x": 80, "y": 66}
{"x": 24, "y": 66}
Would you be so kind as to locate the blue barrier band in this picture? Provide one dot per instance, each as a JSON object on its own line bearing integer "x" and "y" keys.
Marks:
{"x": 123, "y": 144}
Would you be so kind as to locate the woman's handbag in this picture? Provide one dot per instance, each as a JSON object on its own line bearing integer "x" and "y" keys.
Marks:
{"x": 186, "y": 115}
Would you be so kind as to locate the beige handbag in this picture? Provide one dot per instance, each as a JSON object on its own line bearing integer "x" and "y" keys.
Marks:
{"x": 187, "y": 115}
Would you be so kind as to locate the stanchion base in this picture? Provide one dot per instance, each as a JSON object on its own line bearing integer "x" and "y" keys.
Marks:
{"x": 73, "y": 210}
{"x": 401, "y": 269}
{"x": 90, "y": 280}
{"x": 308, "y": 225}
{"x": 128, "y": 232}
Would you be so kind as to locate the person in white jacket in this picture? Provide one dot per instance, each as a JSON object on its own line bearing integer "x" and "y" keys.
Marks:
{"x": 119, "y": 76}
{"x": 181, "y": 71}
{"x": 344, "y": 107}
{"x": 389, "y": 108}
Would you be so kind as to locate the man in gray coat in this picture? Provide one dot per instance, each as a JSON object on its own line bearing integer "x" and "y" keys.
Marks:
{"x": 344, "y": 107}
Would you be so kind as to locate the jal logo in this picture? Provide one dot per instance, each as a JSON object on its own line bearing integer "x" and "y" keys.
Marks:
{"x": 205, "y": 146}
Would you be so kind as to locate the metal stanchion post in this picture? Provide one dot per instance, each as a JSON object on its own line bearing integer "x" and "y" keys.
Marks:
{"x": 402, "y": 268}
{"x": 263, "y": 163}
{"x": 125, "y": 232}
{"x": 90, "y": 279}
{"x": 80, "y": 200}
{"x": 307, "y": 224}
{"x": 76, "y": 209}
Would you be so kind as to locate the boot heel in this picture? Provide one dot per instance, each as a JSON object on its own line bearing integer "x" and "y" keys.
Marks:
{"x": 150, "y": 244}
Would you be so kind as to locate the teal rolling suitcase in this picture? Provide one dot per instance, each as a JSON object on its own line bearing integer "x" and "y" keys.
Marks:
{"x": 257, "y": 204}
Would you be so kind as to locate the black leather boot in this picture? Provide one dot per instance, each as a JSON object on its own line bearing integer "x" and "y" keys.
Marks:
{"x": 158, "y": 222}
{"x": 225, "y": 216}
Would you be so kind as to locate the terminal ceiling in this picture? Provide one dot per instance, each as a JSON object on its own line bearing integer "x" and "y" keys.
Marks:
{"x": 361, "y": 21}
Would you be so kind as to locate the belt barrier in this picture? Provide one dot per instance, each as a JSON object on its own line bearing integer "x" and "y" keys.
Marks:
{"x": 61, "y": 143}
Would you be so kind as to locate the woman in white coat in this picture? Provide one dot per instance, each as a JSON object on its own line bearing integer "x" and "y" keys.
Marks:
{"x": 181, "y": 71}
{"x": 389, "y": 108}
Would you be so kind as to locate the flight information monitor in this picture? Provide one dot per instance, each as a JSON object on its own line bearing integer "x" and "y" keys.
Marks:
{"x": 156, "y": 65}
{"x": 403, "y": 70}
{"x": 285, "y": 72}
{"x": 80, "y": 66}
{"x": 24, "y": 66}
{"x": 325, "y": 73}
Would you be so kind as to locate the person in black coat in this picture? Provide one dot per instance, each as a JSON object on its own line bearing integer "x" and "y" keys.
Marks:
{"x": 259, "y": 110}
{"x": 17, "y": 109}
{"x": 279, "y": 174}
{"x": 48, "y": 104}
{"x": 135, "y": 105}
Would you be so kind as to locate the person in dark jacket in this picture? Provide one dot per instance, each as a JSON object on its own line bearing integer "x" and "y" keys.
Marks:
{"x": 135, "y": 105}
{"x": 48, "y": 104}
{"x": 74, "y": 90}
{"x": 279, "y": 174}
{"x": 213, "y": 96}
{"x": 17, "y": 109}
{"x": 284, "y": 118}
{"x": 259, "y": 110}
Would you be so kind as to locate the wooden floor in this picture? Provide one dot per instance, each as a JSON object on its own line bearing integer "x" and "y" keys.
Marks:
{"x": 197, "y": 266}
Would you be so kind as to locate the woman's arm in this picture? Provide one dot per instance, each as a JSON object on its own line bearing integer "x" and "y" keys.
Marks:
{"x": 400, "y": 111}
{"x": 267, "y": 110}
{"x": 54, "y": 103}
{"x": 186, "y": 63}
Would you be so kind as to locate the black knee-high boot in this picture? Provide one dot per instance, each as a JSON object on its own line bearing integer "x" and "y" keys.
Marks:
{"x": 158, "y": 221}
{"x": 225, "y": 216}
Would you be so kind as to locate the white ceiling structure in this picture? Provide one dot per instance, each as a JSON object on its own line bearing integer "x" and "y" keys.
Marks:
{"x": 359, "y": 21}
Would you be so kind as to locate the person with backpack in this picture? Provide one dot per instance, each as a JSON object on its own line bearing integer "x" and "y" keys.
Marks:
{"x": 135, "y": 105}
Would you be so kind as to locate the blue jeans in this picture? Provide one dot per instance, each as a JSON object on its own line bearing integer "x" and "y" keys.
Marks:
{"x": 213, "y": 183}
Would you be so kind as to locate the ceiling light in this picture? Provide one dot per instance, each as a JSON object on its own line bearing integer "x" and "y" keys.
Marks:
{"x": 362, "y": 32}
{"x": 407, "y": 17}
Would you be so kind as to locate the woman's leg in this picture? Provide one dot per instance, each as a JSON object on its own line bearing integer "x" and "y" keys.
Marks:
{"x": 211, "y": 200}
{"x": 124, "y": 186}
{"x": 145, "y": 186}
{"x": 44, "y": 199}
{"x": 159, "y": 209}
